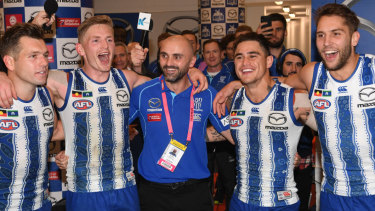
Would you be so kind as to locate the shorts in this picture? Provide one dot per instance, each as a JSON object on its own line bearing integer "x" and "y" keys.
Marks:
{"x": 332, "y": 202}
{"x": 125, "y": 199}
{"x": 238, "y": 205}
{"x": 46, "y": 207}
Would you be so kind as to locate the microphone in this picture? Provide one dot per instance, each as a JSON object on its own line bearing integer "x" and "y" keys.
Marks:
{"x": 50, "y": 6}
{"x": 144, "y": 34}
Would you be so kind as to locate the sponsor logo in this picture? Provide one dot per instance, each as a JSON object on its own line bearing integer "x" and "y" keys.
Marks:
{"x": 28, "y": 109}
{"x": 68, "y": 22}
{"x": 236, "y": 122}
{"x": 275, "y": 128}
{"x": 321, "y": 104}
{"x": 277, "y": 119}
{"x": 198, "y": 104}
{"x": 88, "y": 15}
{"x": 218, "y": 29}
{"x": 13, "y": 1}
{"x": 154, "y": 117}
{"x": 48, "y": 114}
{"x": 51, "y": 56}
{"x": 232, "y": 13}
{"x": 205, "y": 14}
{"x": 8, "y": 124}
{"x": 12, "y": 19}
{"x": 83, "y": 104}
{"x": 154, "y": 103}
{"x": 197, "y": 117}
{"x": 69, "y": 50}
{"x": 367, "y": 94}
{"x": 232, "y": 2}
{"x": 255, "y": 110}
{"x": 102, "y": 90}
{"x": 122, "y": 96}
{"x": 53, "y": 175}
{"x": 225, "y": 121}
{"x": 342, "y": 89}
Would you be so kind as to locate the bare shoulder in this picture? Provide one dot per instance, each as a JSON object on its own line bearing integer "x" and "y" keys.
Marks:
{"x": 134, "y": 79}
{"x": 57, "y": 77}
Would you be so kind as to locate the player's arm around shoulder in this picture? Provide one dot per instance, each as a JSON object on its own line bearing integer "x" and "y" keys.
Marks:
{"x": 57, "y": 83}
{"x": 58, "y": 131}
{"x": 302, "y": 109}
{"x": 134, "y": 79}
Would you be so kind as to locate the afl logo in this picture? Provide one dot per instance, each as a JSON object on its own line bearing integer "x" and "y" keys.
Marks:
{"x": 236, "y": 122}
{"x": 83, "y": 104}
{"x": 321, "y": 104}
{"x": 9, "y": 124}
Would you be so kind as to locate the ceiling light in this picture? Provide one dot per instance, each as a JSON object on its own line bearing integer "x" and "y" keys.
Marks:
{"x": 292, "y": 15}
{"x": 287, "y": 19}
{"x": 286, "y": 9}
{"x": 278, "y": 2}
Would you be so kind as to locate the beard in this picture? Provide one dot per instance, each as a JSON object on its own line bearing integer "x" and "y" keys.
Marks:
{"x": 276, "y": 44}
{"x": 173, "y": 77}
{"x": 343, "y": 59}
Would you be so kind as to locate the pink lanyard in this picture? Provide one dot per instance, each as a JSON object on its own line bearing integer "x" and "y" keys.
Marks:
{"x": 168, "y": 117}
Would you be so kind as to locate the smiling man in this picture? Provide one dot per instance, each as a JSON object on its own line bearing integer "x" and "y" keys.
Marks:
{"x": 266, "y": 127}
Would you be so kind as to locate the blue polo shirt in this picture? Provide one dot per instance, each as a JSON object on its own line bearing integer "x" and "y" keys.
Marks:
{"x": 146, "y": 103}
{"x": 225, "y": 76}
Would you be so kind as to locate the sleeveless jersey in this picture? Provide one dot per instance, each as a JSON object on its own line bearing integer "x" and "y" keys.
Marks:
{"x": 25, "y": 130}
{"x": 345, "y": 115}
{"x": 95, "y": 118}
{"x": 266, "y": 136}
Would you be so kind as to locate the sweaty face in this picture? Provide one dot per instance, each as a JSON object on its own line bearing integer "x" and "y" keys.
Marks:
{"x": 276, "y": 39}
{"x": 250, "y": 62}
{"x": 212, "y": 54}
{"x": 292, "y": 64}
{"x": 334, "y": 42}
{"x": 120, "y": 60}
{"x": 176, "y": 57}
{"x": 31, "y": 65}
{"x": 98, "y": 47}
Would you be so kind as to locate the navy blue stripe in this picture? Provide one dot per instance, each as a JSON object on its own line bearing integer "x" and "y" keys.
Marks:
{"x": 6, "y": 166}
{"x": 106, "y": 115}
{"x": 348, "y": 148}
{"x": 43, "y": 97}
{"x": 33, "y": 136}
{"x": 81, "y": 135}
{"x": 254, "y": 160}
{"x": 280, "y": 99}
{"x": 116, "y": 79}
{"x": 79, "y": 84}
{"x": 367, "y": 73}
{"x": 238, "y": 100}
{"x": 322, "y": 79}
{"x": 126, "y": 154}
{"x": 280, "y": 159}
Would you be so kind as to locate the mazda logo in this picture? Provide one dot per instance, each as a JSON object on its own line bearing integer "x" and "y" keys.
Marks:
{"x": 69, "y": 50}
{"x": 205, "y": 14}
{"x": 154, "y": 103}
{"x": 367, "y": 94}
{"x": 87, "y": 15}
{"x": 48, "y": 114}
{"x": 218, "y": 29}
{"x": 122, "y": 96}
{"x": 277, "y": 119}
{"x": 232, "y": 13}
{"x": 168, "y": 27}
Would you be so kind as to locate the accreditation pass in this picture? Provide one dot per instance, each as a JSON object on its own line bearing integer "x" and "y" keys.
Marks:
{"x": 172, "y": 155}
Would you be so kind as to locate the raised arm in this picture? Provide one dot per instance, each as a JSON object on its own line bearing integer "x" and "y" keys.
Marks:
{"x": 223, "y": 95}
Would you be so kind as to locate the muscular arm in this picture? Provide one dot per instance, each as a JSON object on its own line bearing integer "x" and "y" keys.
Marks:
{"x": 302, "y": 109}
{"x": 134, "y": 79}
{"x": 213, "y": 135}
{"x": 303, "y": 79}
{"x": 222, "y": 96}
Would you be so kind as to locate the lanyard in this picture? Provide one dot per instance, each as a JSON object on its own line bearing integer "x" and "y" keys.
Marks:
{"x": 168, "y": 117}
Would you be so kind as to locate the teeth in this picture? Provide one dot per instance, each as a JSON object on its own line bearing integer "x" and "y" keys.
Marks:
{"x": 247, "y": 70}
{"x": 330, "y": 52}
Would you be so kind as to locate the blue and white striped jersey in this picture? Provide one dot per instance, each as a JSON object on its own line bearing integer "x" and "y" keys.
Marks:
{"x": 345, "y": 115}
{"x": 266, "y": 136}
{"x": 25, "y": 130}
{"x": 95, "y": 118}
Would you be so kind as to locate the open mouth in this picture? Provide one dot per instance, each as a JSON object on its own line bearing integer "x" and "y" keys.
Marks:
{"x": 330, "y": 55}
{"x": 248, "y": 70}
{"x": 104, "y": 57}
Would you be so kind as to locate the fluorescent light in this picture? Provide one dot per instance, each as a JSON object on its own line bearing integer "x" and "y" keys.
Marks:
{"x": 286, "y": 9}
{"x": 278, "y": 2}
{"x": 292, "y": 15}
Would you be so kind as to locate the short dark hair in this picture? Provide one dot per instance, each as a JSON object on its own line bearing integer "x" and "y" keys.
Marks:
{"x": 94, "y": 20}
{"x": 243, "y": 28}
{"x": 253, "y": 37}
{"x": 339, "y": 10}
{"x": 190, "y": 32}
{"x": 10, "y": 41}
{"x": 212, "y": 41}
{"x": 120, "y": 34}
{"x": 163, "y": 36}
{"x": 226, "y": 40}
{"x": 278, "y": 17}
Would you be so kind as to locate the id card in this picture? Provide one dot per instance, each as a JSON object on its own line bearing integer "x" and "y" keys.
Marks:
{"x": 284, "y": 195}
{"x": 172, "y": 155}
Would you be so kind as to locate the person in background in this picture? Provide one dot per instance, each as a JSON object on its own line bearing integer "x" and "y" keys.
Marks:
{"x": 121, "y": 59}
{"x": 154, "y": 66}
{"x": 243, "y": 29}
{"x": 226, "y": 44}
